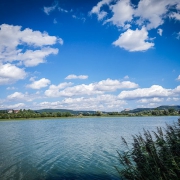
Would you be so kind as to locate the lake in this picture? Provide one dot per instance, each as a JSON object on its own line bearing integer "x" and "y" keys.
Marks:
{"x": 68, "y": 149}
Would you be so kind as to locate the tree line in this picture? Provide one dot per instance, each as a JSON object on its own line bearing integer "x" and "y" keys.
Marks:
{"x": 31, "y": 114}
{"x": 22, "y": 113}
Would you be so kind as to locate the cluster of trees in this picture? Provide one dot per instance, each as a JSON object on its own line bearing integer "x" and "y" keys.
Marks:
{"x": 32, "y": 114}
{"x": 155, "y": 112}
{"x": 152, "y": 156}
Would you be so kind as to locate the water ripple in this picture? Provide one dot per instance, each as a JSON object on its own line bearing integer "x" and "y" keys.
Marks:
{"x": 83, "y": 149}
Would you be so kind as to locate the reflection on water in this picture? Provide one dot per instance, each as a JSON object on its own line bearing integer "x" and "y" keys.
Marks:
{"x": 67, "y": 148}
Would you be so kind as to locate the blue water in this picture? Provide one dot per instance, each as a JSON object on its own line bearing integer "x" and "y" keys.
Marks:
{"x": 68, "y": 149}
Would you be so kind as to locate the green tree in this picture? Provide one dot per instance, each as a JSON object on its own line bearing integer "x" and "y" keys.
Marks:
{"x": 171, "y": 110}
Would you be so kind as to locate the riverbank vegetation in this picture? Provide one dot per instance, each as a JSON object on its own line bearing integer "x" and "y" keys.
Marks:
{"x": 55, "y": 113}
{"x": 26, "y": 114}
{"x": 152, "y": 156}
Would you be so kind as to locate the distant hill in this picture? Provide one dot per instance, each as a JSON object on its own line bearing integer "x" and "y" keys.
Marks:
{"x": 64, "y": 110}
{"x": 168, "y": 107}
{"x": 137, "y": 110}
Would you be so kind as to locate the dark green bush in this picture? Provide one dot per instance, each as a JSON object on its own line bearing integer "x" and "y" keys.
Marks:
{"x": 154, "y": 156}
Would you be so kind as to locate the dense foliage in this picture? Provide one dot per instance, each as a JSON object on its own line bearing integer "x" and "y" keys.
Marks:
{"x": 153, "y": 112}
{"x": 32, "y": 114}
{"x": 154, "y": 156}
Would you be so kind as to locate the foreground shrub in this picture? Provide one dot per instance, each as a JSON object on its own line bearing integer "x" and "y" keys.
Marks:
{"x": 154, "y": 156}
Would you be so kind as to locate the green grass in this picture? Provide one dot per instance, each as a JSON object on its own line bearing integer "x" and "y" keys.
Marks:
{"x": 152, "y": 156}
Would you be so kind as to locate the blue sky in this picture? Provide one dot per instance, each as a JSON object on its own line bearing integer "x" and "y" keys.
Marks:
{"x": 89, "y": 55}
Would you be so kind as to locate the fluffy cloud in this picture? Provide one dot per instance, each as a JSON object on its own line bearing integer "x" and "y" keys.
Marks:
{"x": 72, "y": 76}
{"x": 122, "y": 12}
{"x": 33, "y": 58}
{"x": 113, "y": 85}
{"x": 134, "y": 40}
{"x": 10, "y": 73}
{"x": 53, "y": 90}
{"x": 175, "y": 16}
{"x": 90, "y": 89}
{"x": 36, "y": 43}
{"x": 18, "y": 96}
{"x": 73, "y": 91}
{"x": 152, "y": 92}
{"x": 151, "y": 11}
{"x": 39, "y": 84}
{"x": 148, "y": 14}
{"x": 176, "y": 91}
{"x": 99, "y": 102}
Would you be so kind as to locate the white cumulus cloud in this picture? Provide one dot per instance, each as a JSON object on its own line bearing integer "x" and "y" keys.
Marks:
{"x": 33, "y": 58}
{"x": 104, "y": 102}
{"x": 152, "y": 92}
{"x": 100, "y": 87}
{"x": 147, "y": 14}
{"x": 122, "y": 12}
{"x": 10, "y": 73}
{"x": 54, "y": 91}
{"x": 113, "y": 85}
{"x": 39, "y": 84}
{"x": 134, "y": 40}
{"x": 176, "y": 16}
{"x": 37, "y": 45}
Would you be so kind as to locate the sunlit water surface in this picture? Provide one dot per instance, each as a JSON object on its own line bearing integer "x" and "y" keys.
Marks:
{"x": 68, "y": 149}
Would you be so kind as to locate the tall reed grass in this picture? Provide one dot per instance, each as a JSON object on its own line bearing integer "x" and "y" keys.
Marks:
{"x": 152, "y": 156}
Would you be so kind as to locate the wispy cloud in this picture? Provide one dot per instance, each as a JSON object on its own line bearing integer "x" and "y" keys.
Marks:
{"x": 178, "y": 78}
{"x": 160, "y": 31}
{"x": 62, "y": 10}
{"x": 49, "y": 9}
{"x": 97, "y": 9}
{"x": 126, "y": 77}
{"x": 55, "y": 21}
{"x": 19, "y": 96}
{"x": 178, "y": 35}
{"x": 73, "y": 76}
{"x": 79, "y": 18}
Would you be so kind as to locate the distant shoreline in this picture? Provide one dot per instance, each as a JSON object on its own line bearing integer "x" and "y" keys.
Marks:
{"x": 75, "y": 117}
